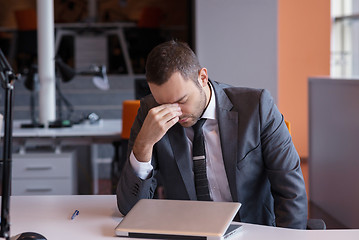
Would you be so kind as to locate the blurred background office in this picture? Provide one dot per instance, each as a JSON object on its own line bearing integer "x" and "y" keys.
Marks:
{"x": 272, "y": 44}
{"x": 151, "y": 22}
{"x": 116, "y": 34}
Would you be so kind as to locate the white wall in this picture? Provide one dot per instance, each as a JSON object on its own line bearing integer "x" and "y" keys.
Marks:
{"x": 236, "y": 40}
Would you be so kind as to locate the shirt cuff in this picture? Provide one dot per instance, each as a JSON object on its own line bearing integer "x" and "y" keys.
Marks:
{"x": 142, "y": 169}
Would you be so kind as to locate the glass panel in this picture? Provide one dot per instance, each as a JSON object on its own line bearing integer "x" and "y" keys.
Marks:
{"x": 345, "y": 38}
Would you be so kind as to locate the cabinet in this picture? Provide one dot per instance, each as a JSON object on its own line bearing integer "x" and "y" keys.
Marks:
{"x": 44, "y": 173}
{"x": 333, "y": 143}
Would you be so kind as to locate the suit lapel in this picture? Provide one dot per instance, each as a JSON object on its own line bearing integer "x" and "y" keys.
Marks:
{"x": 228, "y": 128}
{"x": 179, "y": 144}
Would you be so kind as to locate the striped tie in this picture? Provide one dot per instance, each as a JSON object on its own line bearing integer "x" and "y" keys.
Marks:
{"x": 199, "y": 162}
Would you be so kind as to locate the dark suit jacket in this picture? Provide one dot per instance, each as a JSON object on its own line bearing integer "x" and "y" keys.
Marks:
{"x": 262, "y": 165}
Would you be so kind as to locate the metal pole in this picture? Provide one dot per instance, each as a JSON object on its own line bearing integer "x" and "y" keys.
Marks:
{"x": 46, "y": 60}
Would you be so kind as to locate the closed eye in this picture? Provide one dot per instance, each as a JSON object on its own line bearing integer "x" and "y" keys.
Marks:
{"x": 182, "y": 100}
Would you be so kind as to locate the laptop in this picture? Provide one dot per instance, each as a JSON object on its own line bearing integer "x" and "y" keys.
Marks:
{"x": 180, "y": 219}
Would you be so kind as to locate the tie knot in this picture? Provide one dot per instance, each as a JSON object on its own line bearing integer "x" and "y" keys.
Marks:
{"x": 199, "y": 124}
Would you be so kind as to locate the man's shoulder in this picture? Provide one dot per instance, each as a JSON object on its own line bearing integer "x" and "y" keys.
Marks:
{"x": 238, "y": 92}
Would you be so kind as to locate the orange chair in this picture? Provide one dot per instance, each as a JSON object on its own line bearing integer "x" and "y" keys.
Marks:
{"x": 151, "y": 17}
{"x": 26, "y": 41}
{"x": 129, "y": 112}
{"x": 26, "y": 19}
{"x": 288, "y": 126}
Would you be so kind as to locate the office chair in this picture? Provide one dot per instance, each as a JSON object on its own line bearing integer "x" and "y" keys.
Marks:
{"x": 312, "y": 224}
{"x": 147, "y": 35}
{"x": 26, "y": 39}
{"x": 287, "y": 123}
{"x": 141, "y": 88}
{"x": 129, "y": 112}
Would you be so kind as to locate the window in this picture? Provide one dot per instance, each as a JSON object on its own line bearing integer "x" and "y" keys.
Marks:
{"x": 345, "y": 38}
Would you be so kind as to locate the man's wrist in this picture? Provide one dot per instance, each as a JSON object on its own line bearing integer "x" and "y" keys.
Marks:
{"x": 142, "y": 152}
{"x": 142, "y": 169}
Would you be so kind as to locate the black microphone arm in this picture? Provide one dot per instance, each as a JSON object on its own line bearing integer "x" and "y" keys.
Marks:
{"x": 7, "y": 78}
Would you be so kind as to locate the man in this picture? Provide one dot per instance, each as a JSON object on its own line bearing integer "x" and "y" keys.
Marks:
{"x": 249, "y": 155}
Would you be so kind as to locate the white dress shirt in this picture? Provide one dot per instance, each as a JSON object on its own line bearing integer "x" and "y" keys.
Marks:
{"x": 216, "y": 174}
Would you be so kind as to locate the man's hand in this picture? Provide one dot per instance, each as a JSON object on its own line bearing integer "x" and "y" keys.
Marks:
{"x": 157, "y": 122}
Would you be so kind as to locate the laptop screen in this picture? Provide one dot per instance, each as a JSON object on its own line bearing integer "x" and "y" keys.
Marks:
{"x": 189, "y": 219}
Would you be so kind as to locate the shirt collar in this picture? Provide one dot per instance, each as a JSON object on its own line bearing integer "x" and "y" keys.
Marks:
{"x": 210, "y": 112}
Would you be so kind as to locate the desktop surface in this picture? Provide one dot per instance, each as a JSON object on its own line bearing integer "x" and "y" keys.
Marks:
{"x": 103, "y": 128}
{"x": 105, "y": 131}
{"x": 98, "y": 216}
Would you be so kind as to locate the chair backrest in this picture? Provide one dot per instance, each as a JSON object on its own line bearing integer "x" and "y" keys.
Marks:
{"x": 288, "y": 126}
{"x": 129, "y": 112}
{"x": 26, "y": 41}
{"x": 26, "y": 19}
{"x": 141, "y": 88}
{"x": 151, "y": 17}
{"x": 315, "y": 224}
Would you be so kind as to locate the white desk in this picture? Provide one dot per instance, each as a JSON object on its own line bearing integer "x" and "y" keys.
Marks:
{"x": 106, "y": 128}
{"x": 50, "y": 216}
{"x": 106, "y": 131}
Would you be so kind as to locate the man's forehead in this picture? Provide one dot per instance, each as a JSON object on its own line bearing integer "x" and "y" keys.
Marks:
{"x": 174, "y": 90}
{"x": 168, "y": 96}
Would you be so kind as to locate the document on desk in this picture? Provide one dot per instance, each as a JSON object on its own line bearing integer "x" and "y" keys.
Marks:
{"x": 180, "y": 219}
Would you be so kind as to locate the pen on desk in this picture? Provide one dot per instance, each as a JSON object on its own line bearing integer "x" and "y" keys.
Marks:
{"x": 75, "y": 214}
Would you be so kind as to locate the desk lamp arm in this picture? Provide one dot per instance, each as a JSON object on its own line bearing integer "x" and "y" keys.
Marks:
{"x": 7, "y": 78}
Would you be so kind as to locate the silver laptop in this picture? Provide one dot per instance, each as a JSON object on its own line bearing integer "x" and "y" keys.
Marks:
{"x": 180, "y": 219}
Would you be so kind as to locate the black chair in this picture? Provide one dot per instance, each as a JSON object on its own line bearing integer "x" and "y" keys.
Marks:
{"x": 312, "y": 224}
{"x": 316, "y": 224}
{"x": 26, "y": 41}
{"x": 129, "y": 112}
{"x": 141, "y": 88}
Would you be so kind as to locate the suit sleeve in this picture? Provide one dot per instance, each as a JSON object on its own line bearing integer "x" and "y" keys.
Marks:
{"x": 131, "y": 188}
{"x": 282, "y": 166}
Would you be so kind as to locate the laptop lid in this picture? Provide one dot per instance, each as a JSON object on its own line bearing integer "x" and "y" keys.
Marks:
{"x": 179, "y": 219}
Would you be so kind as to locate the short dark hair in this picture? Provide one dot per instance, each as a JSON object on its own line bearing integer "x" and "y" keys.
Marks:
{"x": 168, "y": 58}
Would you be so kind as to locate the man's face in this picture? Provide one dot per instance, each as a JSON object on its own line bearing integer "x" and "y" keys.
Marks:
{"x": 190, "y": 97}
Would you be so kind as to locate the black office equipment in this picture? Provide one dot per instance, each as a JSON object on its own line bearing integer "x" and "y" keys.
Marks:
{"x": 66, "y": 74}
{"x": 32, "y": 83}
{"x": 8, "y": 78}
{"x": 141, "y": 88}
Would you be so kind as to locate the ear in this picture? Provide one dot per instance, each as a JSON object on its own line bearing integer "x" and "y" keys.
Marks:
{"x": 203, "y": 77}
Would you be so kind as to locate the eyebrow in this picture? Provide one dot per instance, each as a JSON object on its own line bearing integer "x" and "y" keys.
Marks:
{"x": 180, "y": 99}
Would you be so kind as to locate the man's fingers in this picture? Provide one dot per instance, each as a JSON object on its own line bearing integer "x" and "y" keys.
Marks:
{"x": 157, "y": 123}
{"x": 170, "y": 115}
{"x": 165, "y": 113}
{"x": 172, "y": 122}
{"x": 163, "y": 109}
